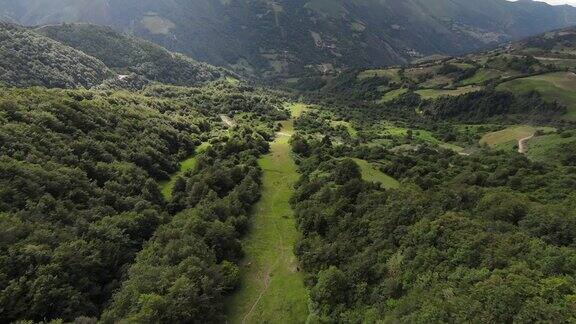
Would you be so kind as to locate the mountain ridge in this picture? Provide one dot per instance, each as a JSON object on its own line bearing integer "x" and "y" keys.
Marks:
{"x": 286, "y": 38}
{"x": 30, "y": 59}
{"x": 82, "y": 55}
{"x": 126, "y": 54}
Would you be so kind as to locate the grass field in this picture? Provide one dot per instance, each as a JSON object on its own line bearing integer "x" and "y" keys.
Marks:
{"x": 391, "y": 74}
{"x": 297, "y": 109}
{"x": 560, "y": 63}
{"x": 188, "y": 164}
{"x": 370, "y": 173}
{"x": 437, "y": 81}
{"x": 507, "y": 137}
{"x": 351, "y": 130}
{"x": 422, "y": 135}
{"x": 393, "y": 94}
{"x": 558, "y": 86}
{"x": 272, "y": 288}
{"x": 481, "y": 76}
{"x": 435, "y": 93}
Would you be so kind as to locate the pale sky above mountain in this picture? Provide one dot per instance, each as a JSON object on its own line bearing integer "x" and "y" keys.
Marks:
{"x": 560, "y": 2}
{"x": 557, "y": 2}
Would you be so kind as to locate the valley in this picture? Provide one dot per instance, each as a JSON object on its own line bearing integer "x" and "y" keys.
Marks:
{"x": 373, "y": 162}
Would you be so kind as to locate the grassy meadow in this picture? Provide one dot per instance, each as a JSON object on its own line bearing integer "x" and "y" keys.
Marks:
{"x": 436, "y": 93}
{"x": 558, "y": 86}
{"x": 272, "y": 287}
{"x": 370, "y": 173}
{"x": 188, "y": 164}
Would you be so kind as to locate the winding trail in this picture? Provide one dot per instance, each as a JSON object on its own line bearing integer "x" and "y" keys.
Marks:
{"x": 522, "y": 144}
{"x": 272, "y": 288}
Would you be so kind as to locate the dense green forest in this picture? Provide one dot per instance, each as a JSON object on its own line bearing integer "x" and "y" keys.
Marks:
{"x": 89, "y": 56}
{"x": 183, "y": 272}
{"x": 29, "y": 59}
{"x": 476, "y": 231}
{"x": 126, "y": 54}
{"x": 485, "y": 238}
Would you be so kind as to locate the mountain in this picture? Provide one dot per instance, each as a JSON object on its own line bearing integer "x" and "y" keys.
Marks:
{"x": 296, "y": 37}
{"x": 80, "y": 55}
{"x": 534, "y": 78}
{"x": 125, "y": 54}
{"x": 30, "y": 59}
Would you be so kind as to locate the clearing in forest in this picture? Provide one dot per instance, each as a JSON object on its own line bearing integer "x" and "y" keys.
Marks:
{"x": 507, "y": 137}
{"x": 272, "y": 288}
{"x": 436, "y": 93}
{"x": 482, "y": 76}
{"x": 393, "y": 94}
{"x": 513, "y": 136}
{"x": 370, "y": 173}
{"x": 167, "y": 186}
{"x": 349, "y": 128}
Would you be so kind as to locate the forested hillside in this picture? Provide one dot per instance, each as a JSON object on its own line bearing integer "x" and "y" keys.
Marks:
{"x": 29, "y": 59}
{"x": 531, "y": 81}
{"x": 488, "y": 238}
{"x": 126, "y": 55}
{"x": 297, "y": 37}
{"x": 72, "y": 56}
{"x": 79, "y": 199}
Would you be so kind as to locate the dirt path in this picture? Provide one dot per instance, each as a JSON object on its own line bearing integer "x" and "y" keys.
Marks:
{"x": 272, "y": 289}
{"x": 228, "y": 121}
{"x": 522, "y": 144}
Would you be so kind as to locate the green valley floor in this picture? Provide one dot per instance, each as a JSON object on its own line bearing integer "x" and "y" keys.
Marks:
{"x": 272, "y": 288}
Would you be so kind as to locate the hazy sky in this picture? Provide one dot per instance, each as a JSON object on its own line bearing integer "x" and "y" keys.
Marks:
{"x": 558, "y": 2}
{"x": 570, "y": 2}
